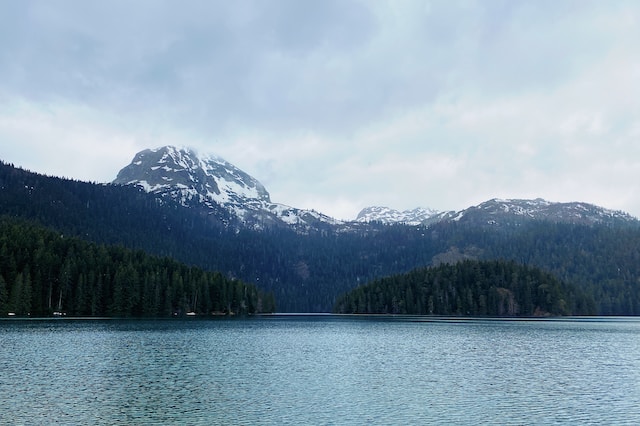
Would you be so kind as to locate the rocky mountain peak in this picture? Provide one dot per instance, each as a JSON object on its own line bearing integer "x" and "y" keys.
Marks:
{"x": 211, "y": 182}
{"x": 190, "y": 178}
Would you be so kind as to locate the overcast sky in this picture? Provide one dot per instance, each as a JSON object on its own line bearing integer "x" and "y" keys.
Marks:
{"x": 335, "y": 105}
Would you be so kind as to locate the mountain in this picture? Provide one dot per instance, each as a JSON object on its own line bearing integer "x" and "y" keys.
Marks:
{"x": 307, "y": 271}
{"x": 386, "y": 215}
{"x": 498, "y": 212}
{"x": 218, "y": 187}
{"x": 503, "y": 212}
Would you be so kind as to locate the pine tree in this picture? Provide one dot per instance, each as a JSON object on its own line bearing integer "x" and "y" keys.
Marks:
{"x": 4, "y": 297}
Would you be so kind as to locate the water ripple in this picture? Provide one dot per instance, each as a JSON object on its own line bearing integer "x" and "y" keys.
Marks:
{"x": 320, "y": 371}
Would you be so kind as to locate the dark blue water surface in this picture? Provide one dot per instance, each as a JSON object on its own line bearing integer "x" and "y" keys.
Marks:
{"x": 300, "y": 370}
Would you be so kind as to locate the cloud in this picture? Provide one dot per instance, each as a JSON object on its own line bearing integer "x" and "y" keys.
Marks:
{"x": 340, "y": 103}
{"x": 206, "y": 63}
{"x": 72, "y": 141}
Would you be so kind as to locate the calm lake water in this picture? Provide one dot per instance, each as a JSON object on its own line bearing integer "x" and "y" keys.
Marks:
{"x": 320, "y": 370}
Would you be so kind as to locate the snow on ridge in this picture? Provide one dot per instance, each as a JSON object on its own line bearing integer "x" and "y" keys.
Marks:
{"x": 237, "y": 188}
{"x": 542, "y": 209}
{"x": 229, "y": 189}
{"x": 498, "y": 209}
{"x": 458, "y": 216}
{"x": 388, "y": 215}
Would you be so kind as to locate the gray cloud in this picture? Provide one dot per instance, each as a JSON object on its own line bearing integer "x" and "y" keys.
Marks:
{"x": 341, "y": 103}
{"x": 205, "y": 61}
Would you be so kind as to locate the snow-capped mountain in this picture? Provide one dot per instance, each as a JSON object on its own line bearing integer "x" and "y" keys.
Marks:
{"x": 503, "y": 212}
{"x": 223, "y": 190}
{"x": 211, "y": 182}
{"x": 514, "y": 211}
{"x": 388, "y": 215}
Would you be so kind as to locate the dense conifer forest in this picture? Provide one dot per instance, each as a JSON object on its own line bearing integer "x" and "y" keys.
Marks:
{"x": 42, "y": 272}
{"x": 307, "y": 272}
{"x": 494, "y": 288}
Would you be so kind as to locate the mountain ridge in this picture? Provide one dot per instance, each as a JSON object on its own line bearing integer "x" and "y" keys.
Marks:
{"x": 515, "y": 211}
{"x": 498, "y": 211}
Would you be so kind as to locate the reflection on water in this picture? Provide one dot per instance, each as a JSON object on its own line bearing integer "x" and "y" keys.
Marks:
{"x": 320, "y": 370}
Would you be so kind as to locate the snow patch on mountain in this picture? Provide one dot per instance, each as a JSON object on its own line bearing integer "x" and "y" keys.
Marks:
{"x": 513, "y": 211}
{"x": 417, "y": 216}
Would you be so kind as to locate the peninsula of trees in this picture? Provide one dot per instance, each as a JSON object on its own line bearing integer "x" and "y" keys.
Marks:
{"x": 491, "y": 288}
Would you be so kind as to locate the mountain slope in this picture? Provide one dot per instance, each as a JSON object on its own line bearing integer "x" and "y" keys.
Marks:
{"x": 211, "y": 183}
{"x": 110, "y": 214}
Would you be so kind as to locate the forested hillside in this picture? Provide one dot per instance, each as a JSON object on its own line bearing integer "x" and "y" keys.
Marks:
{"x": 307, "y": 272}
{"x": 602, "y": 261}
{"x": 494, "y": 288}
{"x": 104, "y": 213}
{"x": 42, "y": 271}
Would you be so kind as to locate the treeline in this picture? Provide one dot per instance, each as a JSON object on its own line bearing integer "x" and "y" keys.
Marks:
{"x": 493, "y": 288}
{"x": 42, "y": 272}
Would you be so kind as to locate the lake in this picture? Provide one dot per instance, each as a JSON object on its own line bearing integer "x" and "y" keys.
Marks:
{"x": 320, "y": 370}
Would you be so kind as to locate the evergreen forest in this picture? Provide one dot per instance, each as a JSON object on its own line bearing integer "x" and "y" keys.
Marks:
{"x": 42, "y": 272}
{"x": 478, "y": 288}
